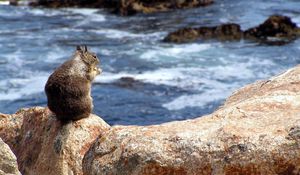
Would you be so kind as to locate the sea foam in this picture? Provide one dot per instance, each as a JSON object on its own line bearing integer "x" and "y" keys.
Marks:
{"x": 20, "y": 88}
{"x": 175, "y": 51}
{"x": 89, "y": 14}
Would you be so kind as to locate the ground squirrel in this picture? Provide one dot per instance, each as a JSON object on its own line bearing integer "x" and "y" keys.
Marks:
{"x": 68, "y": 88}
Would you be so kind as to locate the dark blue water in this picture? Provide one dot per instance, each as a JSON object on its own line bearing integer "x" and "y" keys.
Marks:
{"x": 145, "y": 81}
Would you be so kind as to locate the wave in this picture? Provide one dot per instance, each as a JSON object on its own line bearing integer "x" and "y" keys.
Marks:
{"x": 92, "y": 14}
{"x": 184, "y": 78}
{"x": 207, "y": 84}
{"x": 198, "y": 100}
{"x": 88, "y": 15}
{"x": 174, "y": 51}
{"x": 4, "y": 3}
{"x": 118, "y": 34}
{"x": 83, "y": 11}
{"x": 42, "y": 12}
{"x": 22, "y": 87}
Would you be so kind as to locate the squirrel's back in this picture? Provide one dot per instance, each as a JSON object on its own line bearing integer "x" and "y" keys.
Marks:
{"x": 68, "y": 88}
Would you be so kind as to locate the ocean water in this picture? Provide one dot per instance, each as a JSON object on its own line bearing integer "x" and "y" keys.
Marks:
{"x": 145, "y": 81}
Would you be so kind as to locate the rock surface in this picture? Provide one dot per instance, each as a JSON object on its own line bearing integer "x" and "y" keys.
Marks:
{"x": 222, "y": 32}
{"x": 257, "y": 131}
{"x": 77, "y": 3}
{"x": 10, "y": 128}
{"x": 8, "y": 161}
{"x": 275, "y": 30}
{"x": 276, "y": 26}
{"x": 128, "y": 7}
{"x": 46, "y": 146}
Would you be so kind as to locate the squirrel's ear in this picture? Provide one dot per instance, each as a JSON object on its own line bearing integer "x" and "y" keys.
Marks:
{"x": 78, "y": 48}
{"x": 81, "y": 48}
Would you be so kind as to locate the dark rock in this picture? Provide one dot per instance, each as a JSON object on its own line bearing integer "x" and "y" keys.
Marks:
{"x": 126, "y": 82}
{"x": 131, "y": 7}
{"x": 182, "y": 35}
{"x": 78, "y": 3}
{"x": 223, "y": 32}
{"x": 127, "y": 7}
{"x": 13, "y": 2}
{"x": 275, "y": 30}
{"x": 276, "y": 26}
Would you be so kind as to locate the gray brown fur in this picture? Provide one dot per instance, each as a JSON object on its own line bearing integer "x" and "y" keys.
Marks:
{"x": 68, "y": 89}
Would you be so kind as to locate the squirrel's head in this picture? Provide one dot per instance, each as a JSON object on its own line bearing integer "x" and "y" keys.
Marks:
{"x": 91, "y": 60}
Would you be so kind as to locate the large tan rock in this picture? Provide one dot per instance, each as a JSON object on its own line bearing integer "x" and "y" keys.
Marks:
{"x": 257, "y": 131}
{"x": 10, "y": 128}
{"x": 47, "y": 146}
{"x": 8, "y": 161}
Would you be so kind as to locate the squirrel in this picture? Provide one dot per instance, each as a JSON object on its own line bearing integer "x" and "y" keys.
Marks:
{"x": 68, "y": 88}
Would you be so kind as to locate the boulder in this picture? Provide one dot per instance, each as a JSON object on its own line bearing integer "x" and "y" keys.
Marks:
{"x": 275, "y": 30}
{"x": 8, "y": 161}
{"x": 257, "y": 131}
{"x": 77, "y": 3}
{"x": 10, "y": 128}
{"x": 127, "y": 82}
{"x": 223, "y": 32}
{"x": 131, "y": 7}
{"x": 47, "y": 146}
{"x": 127, "y": 7}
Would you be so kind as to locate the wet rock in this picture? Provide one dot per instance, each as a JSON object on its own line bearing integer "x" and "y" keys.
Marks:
{"x": 77, "y": 3}
{"x": 8, "y": 161}
{"x": 124, "y": 82}
{"x": 222, "y": 32}
{"x": 131, "y": 7}
{"x": 47, "y": 146}
{"x": 128, "y": 7}
{"x": 128, "y": 82}
{"x": 275, "y": 30}
{"x": 255, "y": 132}
{"x": 276, "y": 26}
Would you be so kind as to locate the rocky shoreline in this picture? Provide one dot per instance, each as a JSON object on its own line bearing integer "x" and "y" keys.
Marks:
{"x": 257, "y": 131}
{"x": 126, "y": 7}
{"x": 277, "y": 29}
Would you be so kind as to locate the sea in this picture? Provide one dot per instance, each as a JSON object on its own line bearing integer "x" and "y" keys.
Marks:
{"x": 144, "y": 81}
